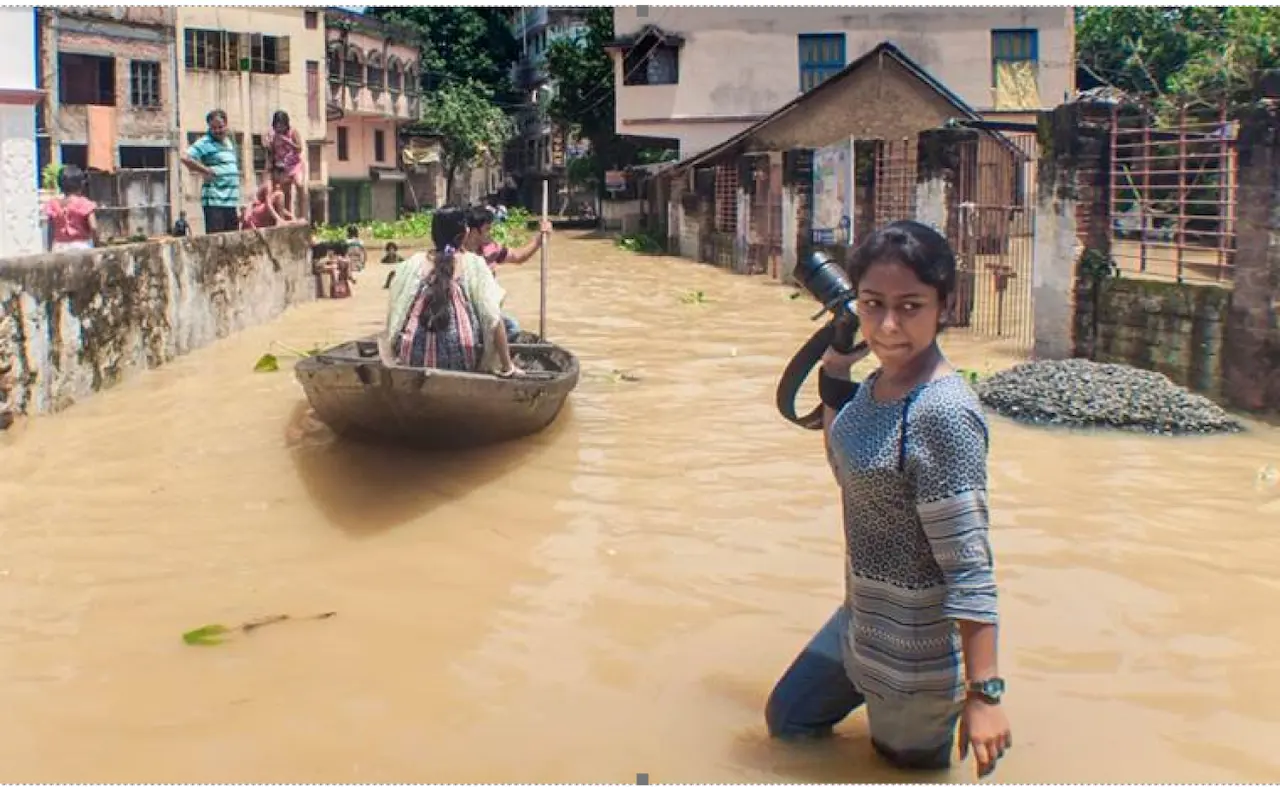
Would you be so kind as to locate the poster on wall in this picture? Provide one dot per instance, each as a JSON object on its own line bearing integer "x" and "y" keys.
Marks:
{"x": 833, "y": 194}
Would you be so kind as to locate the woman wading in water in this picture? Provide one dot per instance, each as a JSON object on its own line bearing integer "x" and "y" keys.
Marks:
{"x": 909, "y": 449}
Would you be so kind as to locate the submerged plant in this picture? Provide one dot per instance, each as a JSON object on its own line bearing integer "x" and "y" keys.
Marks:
{"x": 216, "y": 633}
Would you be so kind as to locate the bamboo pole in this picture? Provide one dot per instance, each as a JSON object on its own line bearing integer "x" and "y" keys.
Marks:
{"x": 542, "y": 276}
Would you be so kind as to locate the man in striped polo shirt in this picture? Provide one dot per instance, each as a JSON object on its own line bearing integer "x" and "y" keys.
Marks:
{"x": 213, "y": 157}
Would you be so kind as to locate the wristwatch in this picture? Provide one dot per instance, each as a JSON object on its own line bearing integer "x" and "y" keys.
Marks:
{"x": 989, "y": 691}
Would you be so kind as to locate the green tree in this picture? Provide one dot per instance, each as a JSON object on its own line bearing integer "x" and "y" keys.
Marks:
{"x": 1177, "y": 56}
{"x": 461, "y": 44}
{"x": 472, "y": 125}
{"x": 582, "y": 73}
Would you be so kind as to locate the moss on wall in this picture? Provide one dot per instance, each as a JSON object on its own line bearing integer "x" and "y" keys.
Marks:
{"x": 1175, "y": 329}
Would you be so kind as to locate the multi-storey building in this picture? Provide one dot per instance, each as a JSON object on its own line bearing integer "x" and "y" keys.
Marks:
{"x": 374, "y": 79}
{"x": 252, "y": 62}
{"x": 540, "y": 148}
{"x": 19, "y": 203}
{"x": 701, "y": 75}
{"x": 109, "y": 72}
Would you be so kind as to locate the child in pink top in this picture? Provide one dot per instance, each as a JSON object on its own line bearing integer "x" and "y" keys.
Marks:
{"x": 73, "y": 223}
{"x": 284, "y": 159}
{"x": 267, "y": 210}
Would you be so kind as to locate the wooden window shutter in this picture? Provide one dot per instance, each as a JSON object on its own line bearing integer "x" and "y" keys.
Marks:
{"x": 283, "y": 57}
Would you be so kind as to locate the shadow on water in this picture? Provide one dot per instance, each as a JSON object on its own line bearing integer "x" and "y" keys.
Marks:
{"x": 364, "y": 489}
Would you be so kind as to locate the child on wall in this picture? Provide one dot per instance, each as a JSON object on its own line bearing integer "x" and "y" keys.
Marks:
{"x": 72, "y": 218}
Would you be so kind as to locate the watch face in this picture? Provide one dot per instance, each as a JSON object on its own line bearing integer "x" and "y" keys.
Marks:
{"x": 993, "y": 687}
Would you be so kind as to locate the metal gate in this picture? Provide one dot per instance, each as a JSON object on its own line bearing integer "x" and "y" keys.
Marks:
{"x": 993, "y": 232}
{"x": 895, "y": 181}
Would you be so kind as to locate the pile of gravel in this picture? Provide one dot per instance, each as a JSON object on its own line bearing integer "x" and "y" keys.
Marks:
{"x": 1080, "y": 393}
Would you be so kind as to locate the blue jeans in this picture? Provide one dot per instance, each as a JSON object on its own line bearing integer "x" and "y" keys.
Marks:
{"x": 815, "y": 694}
{"x": 513, "y": 327}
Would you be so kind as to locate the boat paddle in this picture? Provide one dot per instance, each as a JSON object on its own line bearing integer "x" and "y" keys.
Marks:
{"x": 542, "y": 275}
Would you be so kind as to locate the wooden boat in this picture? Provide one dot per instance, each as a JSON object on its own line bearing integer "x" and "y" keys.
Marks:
{"x": 359, "y": 396}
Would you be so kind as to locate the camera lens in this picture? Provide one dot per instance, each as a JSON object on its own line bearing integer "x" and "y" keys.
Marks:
{"x": 824, "y": 279}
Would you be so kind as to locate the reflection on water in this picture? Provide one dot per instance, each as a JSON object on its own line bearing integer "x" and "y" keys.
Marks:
{"x": 614, "y": 596}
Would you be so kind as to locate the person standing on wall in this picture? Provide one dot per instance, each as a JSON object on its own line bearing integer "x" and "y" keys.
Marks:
{"x": 214, "y": 158}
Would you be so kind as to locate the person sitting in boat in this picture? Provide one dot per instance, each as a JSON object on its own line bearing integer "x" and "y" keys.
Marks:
{"x": 480, "y": 222}
{"x": 445, "y": 310}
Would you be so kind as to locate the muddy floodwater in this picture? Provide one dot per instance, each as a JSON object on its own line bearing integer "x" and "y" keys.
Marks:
{"x": 616, "y": 596}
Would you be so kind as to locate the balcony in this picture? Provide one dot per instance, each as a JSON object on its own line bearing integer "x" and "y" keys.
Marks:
{"x": 530, "y": 73}
{"x": 355, "y": 97}
{"x": 528, "y": 20}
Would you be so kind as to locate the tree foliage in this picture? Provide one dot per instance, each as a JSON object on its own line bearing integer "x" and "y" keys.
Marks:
{"x": 472, "y": 125}
{"x": 582, "y": 72}
{"x": 461, "y": 44}
{"x": 1177, "y": 56}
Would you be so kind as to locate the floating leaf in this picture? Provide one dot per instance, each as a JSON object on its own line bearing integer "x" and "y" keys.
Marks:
{"x": 622, "y": 376}
{"x": 206, "y": 635}
{"x": 694, "y": 296}
{"x": 267, "y": 363}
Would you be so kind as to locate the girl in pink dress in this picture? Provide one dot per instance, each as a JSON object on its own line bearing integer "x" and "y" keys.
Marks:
{"x": 268, "y": 209}
{"x": 73, "y": 223}
{"x": 284, "y": 158}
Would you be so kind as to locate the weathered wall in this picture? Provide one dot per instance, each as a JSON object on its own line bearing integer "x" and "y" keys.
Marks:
{"x": 74, "y": 324}
{"x": 1174, "y": 329}
{"x": 738, "y": 64}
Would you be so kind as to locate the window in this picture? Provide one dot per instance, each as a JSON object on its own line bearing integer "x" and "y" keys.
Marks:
{"x": 379, "y": 146}
{"x": 375, "y": 74}
{"x": 342, "y": 143}
{"x": 86, "y": 79}
{"x": 821, "y": 57}
{"x": 268, "y": 54}
{"x": 395, "y": 78}
{"x": 144, "y": 83}
{"x": 312, "y": 19}
{"x": 315, "y": 153}
{"x": 1013, "y": 46}
{"x": 211, "y": 50}
{"x": 143, "y": 157}
{"x": 259, "y": 154}
{"x": 651, "y": 61}
{"x": 313, "y": 89}
{"x": 220, "y": 50}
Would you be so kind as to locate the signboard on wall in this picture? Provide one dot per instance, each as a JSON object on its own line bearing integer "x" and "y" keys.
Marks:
{"x": 615, "y": 180}
{"x": 833, "y": 208}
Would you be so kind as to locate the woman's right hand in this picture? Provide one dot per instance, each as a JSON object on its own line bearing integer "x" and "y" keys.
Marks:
{"x": 838, "y": 365}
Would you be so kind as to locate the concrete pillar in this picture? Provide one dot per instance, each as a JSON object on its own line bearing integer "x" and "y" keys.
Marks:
{"x": 797, "y": 216}
{"x": 938, "y": 156}
{"x": 1251, "y": 336}
{"x": 1073, "y": 174}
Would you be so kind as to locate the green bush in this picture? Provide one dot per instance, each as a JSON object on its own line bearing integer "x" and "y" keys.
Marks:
{"x": 417, "y": 226}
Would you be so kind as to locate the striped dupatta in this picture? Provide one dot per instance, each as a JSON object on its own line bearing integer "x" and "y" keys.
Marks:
{"x": 476, "y": 312}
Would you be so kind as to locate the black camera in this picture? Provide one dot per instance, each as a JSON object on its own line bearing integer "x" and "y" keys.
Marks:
{"x": 825, "y": 281}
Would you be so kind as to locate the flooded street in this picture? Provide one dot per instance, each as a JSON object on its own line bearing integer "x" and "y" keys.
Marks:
{"x": 615, "y": 596}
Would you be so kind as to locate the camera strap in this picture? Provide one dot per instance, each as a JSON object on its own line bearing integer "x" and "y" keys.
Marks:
{"x": 793, "y": 377}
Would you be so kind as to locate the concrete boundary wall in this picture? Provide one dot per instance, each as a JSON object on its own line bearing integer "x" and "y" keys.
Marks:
{"x": 74, "y": 324}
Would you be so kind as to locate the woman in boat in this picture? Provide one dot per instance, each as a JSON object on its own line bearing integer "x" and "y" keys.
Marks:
{"x": 445, "y": 310}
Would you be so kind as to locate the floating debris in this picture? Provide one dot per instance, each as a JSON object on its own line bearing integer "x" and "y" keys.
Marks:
{"x": 1081, "y": 393}
{"x": 216, "y": 634}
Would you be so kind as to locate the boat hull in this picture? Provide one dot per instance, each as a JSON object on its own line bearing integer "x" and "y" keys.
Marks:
{"x": 360, "y": 397}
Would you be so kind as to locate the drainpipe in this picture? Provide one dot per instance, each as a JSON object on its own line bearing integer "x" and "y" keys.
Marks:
{"x": 178, "y": 197}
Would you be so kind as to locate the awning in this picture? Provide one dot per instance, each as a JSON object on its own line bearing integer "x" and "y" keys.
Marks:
{"x": 387, "y": 175}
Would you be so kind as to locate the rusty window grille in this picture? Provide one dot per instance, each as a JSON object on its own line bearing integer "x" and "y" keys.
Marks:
{"x": 144, "y": 83}
{"x": 726, "y": 198}
{"x": 211, "y": 50}
{"x": 1173, "y": 192}
{"x": 895, "y": 182}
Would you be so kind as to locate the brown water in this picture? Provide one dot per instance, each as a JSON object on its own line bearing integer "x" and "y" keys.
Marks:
{"x": 615, "y": 596}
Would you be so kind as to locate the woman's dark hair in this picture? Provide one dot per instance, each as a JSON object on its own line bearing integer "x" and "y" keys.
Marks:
{"x": 917, "y": 246}
{"x": 321, "y": 250}
{"x": 479, "y": 216}
{"x": 353, "y": 231}
{"x": 448, "y": 228}
{"x": 279, "y": 117}
{"x": 71, "y": 180}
